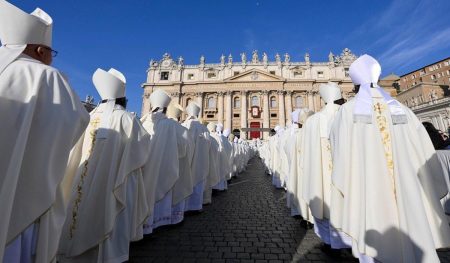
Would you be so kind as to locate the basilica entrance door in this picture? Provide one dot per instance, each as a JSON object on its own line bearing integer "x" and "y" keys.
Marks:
{"x": 255, "y": 134}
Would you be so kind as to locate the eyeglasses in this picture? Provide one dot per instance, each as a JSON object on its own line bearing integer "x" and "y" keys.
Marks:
{"x": 54, "y": 52}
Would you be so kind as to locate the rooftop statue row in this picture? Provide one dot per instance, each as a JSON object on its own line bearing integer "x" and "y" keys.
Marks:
{"x": 346, "y": 58}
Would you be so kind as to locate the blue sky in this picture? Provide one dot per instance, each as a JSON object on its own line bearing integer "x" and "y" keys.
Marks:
{"x": 403, "y": 34}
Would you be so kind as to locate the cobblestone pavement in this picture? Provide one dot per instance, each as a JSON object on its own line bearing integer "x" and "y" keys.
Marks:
{"x": 247, "y": 223}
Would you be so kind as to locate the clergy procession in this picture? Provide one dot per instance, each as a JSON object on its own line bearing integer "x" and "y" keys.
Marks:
{"x": 106, "y": 178}
{"x": 80, "y": 187}
{"x": 364, "y": 173}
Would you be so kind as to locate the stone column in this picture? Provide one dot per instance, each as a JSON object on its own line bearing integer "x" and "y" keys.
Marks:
{"x": 220, "y": 106}
{"x": 289, "y": 104}
{"x": 199, "y": 100}
{"x": 281, "y": 110}
{"x": 244, "y": 113}
{"x": 309, "y": 94}
{"x": 229, "y": 110}
{"x": 266, "y": 112}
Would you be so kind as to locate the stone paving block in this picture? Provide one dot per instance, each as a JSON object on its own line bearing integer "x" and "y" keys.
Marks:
{"x": 247, "y": 223}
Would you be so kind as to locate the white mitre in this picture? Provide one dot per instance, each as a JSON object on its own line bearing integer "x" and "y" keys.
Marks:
{"x": 211, "y": 127}
{"x": 330, "y": 92}
{"x": 110, "y": 85}
{"x": 365, "y": 71}
{"x": 159, "y": 99}
{"x": 17, "y": 29}
{"x": 226, "y": 132}
{"x": 193, "y": 109}
{"x": 294, "y": 115}
{"x": 219, "y": 127}
{"x": 174, "y": 110}
{"x": 304, "y": 115}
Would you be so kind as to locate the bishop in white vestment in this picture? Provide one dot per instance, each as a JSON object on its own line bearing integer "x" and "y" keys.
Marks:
{"x": 183, "y": 187}
{"x": 386, "y": 176}
{"x": 168, "y": 146}
{"x": 317, "y": 164}
{"x": 108, "y": 206}
{"x": 199, "y": 135}
{"x": 42, "y": 118}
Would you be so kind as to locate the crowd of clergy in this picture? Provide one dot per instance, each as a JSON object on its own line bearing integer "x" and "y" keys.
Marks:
{"x": 79, "y": 187}
{"x": 363, "y": 172}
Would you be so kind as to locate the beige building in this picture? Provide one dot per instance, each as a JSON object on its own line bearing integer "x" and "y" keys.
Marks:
{"x": 251, "y": 96}
{"x": 425, "y": 91}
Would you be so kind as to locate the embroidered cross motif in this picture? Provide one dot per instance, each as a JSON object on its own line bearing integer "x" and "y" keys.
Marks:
{"x": 378, "y": 107}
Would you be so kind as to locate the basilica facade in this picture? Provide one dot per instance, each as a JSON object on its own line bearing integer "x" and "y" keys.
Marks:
{"x": 251, "y": 96}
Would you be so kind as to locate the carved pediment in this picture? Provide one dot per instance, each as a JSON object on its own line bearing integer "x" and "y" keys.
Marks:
{"x": 254, "y": 75}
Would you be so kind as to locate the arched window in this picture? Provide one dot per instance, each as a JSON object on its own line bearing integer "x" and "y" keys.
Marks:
{"x": 237, "y": 103}
{"x": 211, "y": 103}
{"x": 255, "y": 101}
{"x": 273, "y": 102}
{"x": 188, "y": 100}
{"x": 298, "y": 101}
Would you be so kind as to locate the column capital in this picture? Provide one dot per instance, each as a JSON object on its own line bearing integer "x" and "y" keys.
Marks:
{"x": 174, "y": 94}
{"x": 198, "y": 94}
{"x": 280, "y": 92}
{"x": 244, "y": 92}
{"x": 220, "y": 93}
{"x": 288, "y": 92}
{"x": 264, "y": 92}
{"x": 229, "y": 92}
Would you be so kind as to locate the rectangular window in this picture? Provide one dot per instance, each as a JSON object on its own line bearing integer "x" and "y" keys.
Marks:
{"x": 210, "y": 116}
{"x": 272, "y": 72}
{"x": 236, "y": 115}
{"x": 298, "y": 74}
{"x": 212, "y": 75}
{"x": 446, "y": 63}
{"x": 320, "y": 74}
{"x": 439, "y": 75}
{"x": 165, "y": 75}
{"x": 448, "y": 72}
{"x": 273, "y": 115}
{"x": 346, "y": 72}
{"x": 433, "y": 76}
{"x": 235, "y": 73}
{"x": 430, "y": 68}
{"x": 190, "y": 76}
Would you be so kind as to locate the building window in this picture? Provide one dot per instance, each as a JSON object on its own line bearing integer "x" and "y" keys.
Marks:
{"x": 237, "y": 103}
{"x": 273, "y": 115}
{"x": 448, "y": 72}
{"x": 187, "y": 101}
{"x": 255, "y": 101}
{"x": 165, "y": 75}
{"x": 298, "y": 74}
{"x": 210, "y": 116}
{"x": 422, "y": 72}
{"x": 190, "y": 76}
{"x": 273, "y": 102}
{"x": 320, "y": 74}
{"x": 433, "y": 77}
{"x": 211, "y": 103}
{"x": 235, "y": 73}
{"x": 272, "y": 72}
{"x": 346, "y": 72}
{"x": 212, "y": 75}
{"x": 298, "y": 101}
{"x": 236, "y": 115}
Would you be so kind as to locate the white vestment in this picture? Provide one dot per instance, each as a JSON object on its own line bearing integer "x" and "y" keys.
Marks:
{"x": 199, "y": 135}
{"x": 214, "y": 170}
{"x": 108, "y": 205}
{"x": 386, "y": 186}
{"x": 317, "y": 167}
{"x": 168, "y": 147}
{"x": 223, "y": 161}
{"x": 41, "y": 118}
